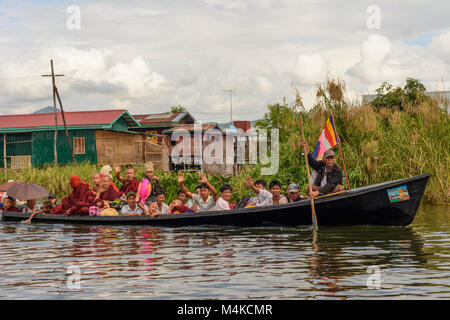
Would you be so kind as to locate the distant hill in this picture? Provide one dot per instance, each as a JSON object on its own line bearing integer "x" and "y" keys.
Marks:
{"x": 47, "y": 109}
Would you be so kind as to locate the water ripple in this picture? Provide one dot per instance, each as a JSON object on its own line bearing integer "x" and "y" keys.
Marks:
{"x": 228, "y": 263}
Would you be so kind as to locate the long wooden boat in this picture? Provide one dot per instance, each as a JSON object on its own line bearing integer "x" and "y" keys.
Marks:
{"x": 393, "y": 203}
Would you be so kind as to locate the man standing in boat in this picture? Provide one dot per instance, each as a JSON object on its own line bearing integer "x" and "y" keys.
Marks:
{"x": 329, "y": 175}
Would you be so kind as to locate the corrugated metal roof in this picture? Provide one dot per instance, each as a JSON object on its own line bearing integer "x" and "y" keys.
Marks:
{"x": 162, "y": 119}
{"x": 190, "y": 127}
{"x": 98, "y": 118}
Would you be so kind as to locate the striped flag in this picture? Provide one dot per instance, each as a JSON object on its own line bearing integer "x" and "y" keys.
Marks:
{"x": 327, "y": 140}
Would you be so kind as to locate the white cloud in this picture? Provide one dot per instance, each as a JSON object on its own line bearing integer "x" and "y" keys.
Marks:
{"x": 227, "y": 4}
{"x": 188, "y": 52}
{"x": 136, "y": 76}
{"x": 309, "y": 70}
{"x": 440, "y": 46}
{"x": 381, "y": 60}
{"x": 374, "y": 65}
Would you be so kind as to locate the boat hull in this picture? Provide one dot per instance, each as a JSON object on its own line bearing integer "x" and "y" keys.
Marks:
{"x": 369, "y": 205}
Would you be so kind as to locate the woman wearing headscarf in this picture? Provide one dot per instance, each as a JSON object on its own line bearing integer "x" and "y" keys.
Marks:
{"x": 107, "y": 171}
{"x": 75, "y": 203}
{"x": 149, "y": 185}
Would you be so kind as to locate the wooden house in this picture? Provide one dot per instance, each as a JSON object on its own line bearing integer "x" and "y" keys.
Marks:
{"x": 155, "y": 124}
{"x": 195, "y": 154}
{"x": 101, "y": 137}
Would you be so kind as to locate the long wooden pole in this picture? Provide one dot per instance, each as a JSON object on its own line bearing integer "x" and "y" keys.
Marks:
{"x": 65, "y": 126}
{"x": 56, "y": 114}
{"x": 313, "y": 209}
{"x": 340, "y": 151}
{"x": 4, "y": 150}
{"x": 53, "y": 75}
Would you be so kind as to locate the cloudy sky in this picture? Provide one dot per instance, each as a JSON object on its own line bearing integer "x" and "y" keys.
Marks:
{"x": 146, "y": 56}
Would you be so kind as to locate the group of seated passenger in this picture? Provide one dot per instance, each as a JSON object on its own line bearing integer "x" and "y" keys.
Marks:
{"x": 146, "y": 197}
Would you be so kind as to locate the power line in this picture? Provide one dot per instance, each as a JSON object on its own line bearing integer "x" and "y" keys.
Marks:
{"x": 76, "y": 83}
{"x": 19, "y": 78}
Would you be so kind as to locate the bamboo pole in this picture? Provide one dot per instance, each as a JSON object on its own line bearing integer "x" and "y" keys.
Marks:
{"x": 340, "y": 151}
{"x": 4, "y": 150}
{"x": 313, "y": 209}
{"x": 65, "y": 126}
{"x": 53, "y": 75}
{"x": 331, "y": 194}
{"x": 56, "y": 115}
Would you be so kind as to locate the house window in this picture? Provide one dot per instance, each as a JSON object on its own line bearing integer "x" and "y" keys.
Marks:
{"x": 79, "y": 145}
{"x": 108, "y": 151}
{"x": 153, "y": 139}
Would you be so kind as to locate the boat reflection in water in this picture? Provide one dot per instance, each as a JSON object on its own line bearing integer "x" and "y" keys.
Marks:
{"x": 204, "y": 262}
{"x": 330, "y": 263}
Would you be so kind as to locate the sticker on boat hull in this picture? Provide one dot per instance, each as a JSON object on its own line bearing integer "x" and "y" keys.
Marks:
{"x": 398, "y": 194}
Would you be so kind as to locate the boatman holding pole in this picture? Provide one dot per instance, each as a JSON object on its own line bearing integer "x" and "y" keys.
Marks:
{"x": 329, "y": 176}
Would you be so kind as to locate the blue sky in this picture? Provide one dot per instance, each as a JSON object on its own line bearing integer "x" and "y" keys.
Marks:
{"x": 148, "y": 55}
{"x": 422, "y": 39}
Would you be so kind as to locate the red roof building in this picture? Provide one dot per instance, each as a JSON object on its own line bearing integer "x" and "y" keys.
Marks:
{"x": 95, "y": 136}
{"x": 119, "y": 120}
{"x": 155, "y": 124}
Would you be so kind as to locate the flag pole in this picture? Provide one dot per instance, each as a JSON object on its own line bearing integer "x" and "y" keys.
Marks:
{"x": 340, "y": 151}
{"x": 313, "y": 209}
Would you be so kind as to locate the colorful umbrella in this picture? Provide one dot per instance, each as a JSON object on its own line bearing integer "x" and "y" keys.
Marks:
{"x": 4, "y": 187}
{"x": 27, "y": 191}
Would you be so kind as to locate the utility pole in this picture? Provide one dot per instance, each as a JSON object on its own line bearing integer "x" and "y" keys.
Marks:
{"x": 65, "y": 126}
{"x": 56, "y": 95}
{"x": 231, "y": 92}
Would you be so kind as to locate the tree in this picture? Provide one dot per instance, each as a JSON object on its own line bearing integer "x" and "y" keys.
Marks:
{"x": 177, "y": 109}
{"x": 414, "y": 91}
{"x": 396, "y": 97}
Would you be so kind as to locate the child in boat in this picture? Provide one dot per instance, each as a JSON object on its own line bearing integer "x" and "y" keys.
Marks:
{"x": 182, "y": 197}
{"x": 177, "y": 207}
{"x": 223, "y": 203}
{"x": 191, "y": 203}
{"x": 263, "y": 198}
{"x": 275, "y": 190}
{"x": 107, "y": 195}
{"x": 152, "y": 209}
{"x": 47, "y": 208}
{"x": 204, "y": 200}
{"x": 52, "y": 199}
{"x": 31, "y": 206}
{"x": 161, "y": 207}
{"x": 96, "y": 184}
{"x": 133, "y": 208}
{"x": 9, "y": 204}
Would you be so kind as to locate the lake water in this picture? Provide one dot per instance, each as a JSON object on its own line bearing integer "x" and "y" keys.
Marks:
{"x": 43, "y": 261}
